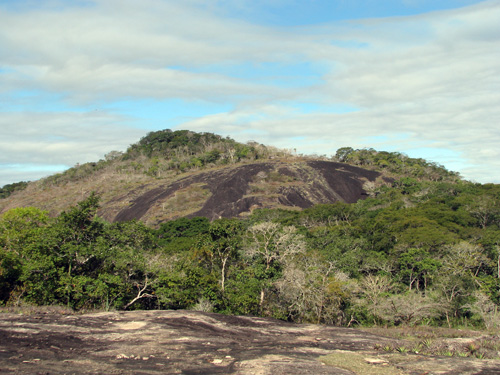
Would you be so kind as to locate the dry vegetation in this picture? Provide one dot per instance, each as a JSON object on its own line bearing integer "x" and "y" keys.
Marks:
{"x": 182, "y": 203}
{"x": 440, "y": 341}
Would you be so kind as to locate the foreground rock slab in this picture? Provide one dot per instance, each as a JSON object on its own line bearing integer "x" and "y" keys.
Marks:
{"x": 188, "y": 342}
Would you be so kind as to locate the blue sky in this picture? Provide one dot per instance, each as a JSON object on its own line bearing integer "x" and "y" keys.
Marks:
{"x": 81, "y": 78}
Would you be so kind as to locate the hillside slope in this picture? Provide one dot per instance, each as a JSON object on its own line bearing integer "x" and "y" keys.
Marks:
{"x": 232, "y": 192}
{"x": 229, "y": 191}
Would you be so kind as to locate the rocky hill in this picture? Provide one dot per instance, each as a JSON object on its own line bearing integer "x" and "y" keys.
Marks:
{"x": 168, "y": 175}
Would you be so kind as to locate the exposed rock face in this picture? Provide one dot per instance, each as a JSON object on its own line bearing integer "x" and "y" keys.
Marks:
{"x": 238, "y": 190}
{"x": 188, "y": 342}
{"x": 225, "y": 191}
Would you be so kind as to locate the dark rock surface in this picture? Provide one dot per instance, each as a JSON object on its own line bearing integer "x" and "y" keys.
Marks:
{"x": 298, "y": 184}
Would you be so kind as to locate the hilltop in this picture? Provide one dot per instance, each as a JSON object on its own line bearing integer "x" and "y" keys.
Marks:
{"x": 172, "y": 174}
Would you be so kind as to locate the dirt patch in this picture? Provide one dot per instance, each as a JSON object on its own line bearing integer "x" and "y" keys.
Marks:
{"x": 187, "y": 342}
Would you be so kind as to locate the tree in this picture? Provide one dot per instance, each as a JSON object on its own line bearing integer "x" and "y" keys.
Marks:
{"x": 180, "y": 235}
{"x": 80, "y": 222}
{"x": 132, "y": 264}
{"x": 343, "y": 153}
{"x": 312, "y": 290}
{"x": 220, "y": 245}
{"x": 457, "y": 291}
{"x": 78, "y": 247}
{"x": 417, "y": 267}
{"x": 272, "y": 244}
{"x": 10, "y": 271}
{"x": 18, "y": 227}
{"x": 8, "y": 189}
{"x": 486, "y": 310}
{"x": 485, "y": 209}
{"x": 465, "y": 259}
{"x": 373, "y": 289}
{"x": 410, "y": 308}
{"x": 20, "y": 230}
{"x": 113, "y": 155}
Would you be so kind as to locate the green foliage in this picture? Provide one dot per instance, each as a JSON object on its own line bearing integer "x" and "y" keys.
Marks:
{"x": 180, "y": 234}
{"x": 416, "y": 267}
{"x": 423, "y": 249}
{"x": 219, "y": 247}
{"x": 162, "y": 152}
{"x": 21, "y": 229}
{"x": 197, "y": 149}
{"x": 76, "y": 259}
{"x": 166, "y": 142}
{"x": 10, "y": 271}
{"x": 182, "y": 150}
{"x": 397, "y": 163}
{"x": 8, "y": 189}
{"x": 77, "y": 173}
{"x": 344, "y": 153}
{"x": 243, "y": 290}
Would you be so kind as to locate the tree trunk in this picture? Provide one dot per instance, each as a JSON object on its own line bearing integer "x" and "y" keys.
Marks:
{"x": 261, "y": 302}
{"x": 223, "y": 274}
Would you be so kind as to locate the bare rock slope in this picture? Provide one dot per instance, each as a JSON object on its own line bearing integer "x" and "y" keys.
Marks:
{"x": 236, "y": 191}
{"x": 188, "y": 342}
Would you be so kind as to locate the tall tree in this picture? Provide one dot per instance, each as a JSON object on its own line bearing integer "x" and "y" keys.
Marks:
{"x": 220, "y": 246}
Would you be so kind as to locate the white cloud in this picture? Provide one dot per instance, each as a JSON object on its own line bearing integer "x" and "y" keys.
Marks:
{"x": 126, "y": 49}
{"x": 40, "y": 141}
{"x": 426, "y": 81}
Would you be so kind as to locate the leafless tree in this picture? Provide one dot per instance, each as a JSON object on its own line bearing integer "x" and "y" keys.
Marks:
{"x": 465, "y": 258}
{"x": 141, "y": 292}
{"x": 273, "y": 243}
{"x": 312, "y": 290}
{"x": 486, "y": 309}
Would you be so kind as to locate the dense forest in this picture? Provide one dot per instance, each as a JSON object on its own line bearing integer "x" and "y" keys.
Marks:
{"x": 424, "y": 249}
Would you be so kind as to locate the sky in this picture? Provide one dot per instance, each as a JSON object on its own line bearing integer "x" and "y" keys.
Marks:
{"x": 81, "y": 78}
